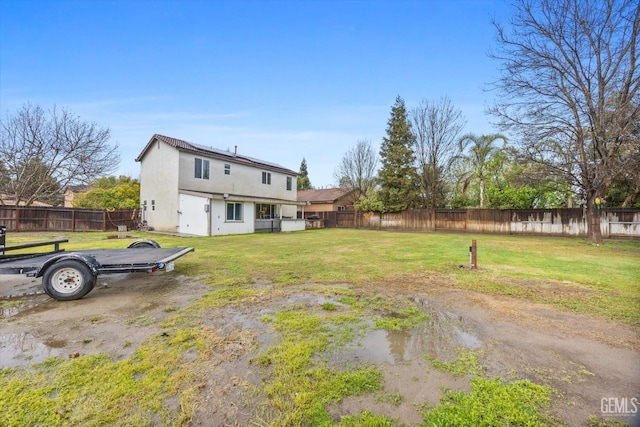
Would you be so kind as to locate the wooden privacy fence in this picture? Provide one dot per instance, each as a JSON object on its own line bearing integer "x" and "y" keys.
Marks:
{"x": 551, "y": 222}
{"x": 66, "y": 219}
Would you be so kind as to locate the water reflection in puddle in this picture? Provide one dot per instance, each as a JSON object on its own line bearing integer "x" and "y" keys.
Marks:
{"x": 23, "y": 349}
{"x": 18, "y": 308}
{"x": 439, "y": 336}
{"x": 12, "y": 307}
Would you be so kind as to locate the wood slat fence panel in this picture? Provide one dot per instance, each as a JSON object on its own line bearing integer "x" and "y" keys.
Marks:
{"x": 614, "y": 222}
{"x": 66, "y": 219}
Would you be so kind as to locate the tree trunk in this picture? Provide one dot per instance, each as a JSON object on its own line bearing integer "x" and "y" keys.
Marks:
{"x": 594, "y": 234}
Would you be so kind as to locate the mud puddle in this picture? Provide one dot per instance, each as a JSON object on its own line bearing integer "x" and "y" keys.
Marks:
{"x": 23, "y": 349}
{"x": 15, "y": 306}
{"x": 440, "y": 336}
{"x": 115, "y": 318}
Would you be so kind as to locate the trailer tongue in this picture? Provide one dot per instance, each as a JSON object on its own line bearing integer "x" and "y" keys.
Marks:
{"x": 72, "y": 275}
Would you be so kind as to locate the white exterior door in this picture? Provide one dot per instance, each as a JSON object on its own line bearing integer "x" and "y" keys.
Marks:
{"x": 194, "y": 215}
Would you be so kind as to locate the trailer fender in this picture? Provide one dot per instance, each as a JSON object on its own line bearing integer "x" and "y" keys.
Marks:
{"x": 143, "y": 243}
{"x": 88, "y": 260}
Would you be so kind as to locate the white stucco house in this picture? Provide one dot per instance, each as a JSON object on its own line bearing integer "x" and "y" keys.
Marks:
{"x": 192, "y": 189}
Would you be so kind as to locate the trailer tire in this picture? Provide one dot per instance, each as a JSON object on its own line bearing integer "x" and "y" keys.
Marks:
{"x": 68, "y": 280}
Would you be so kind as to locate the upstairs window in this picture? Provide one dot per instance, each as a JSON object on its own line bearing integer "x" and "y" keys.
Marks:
{"x": 202, "y": 168}
{"x": 266, "y": 178}
{"x": 289, "y": 183}
{"x": 227, "y": 169}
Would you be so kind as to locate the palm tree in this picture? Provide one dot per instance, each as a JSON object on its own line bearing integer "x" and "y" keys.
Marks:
{"x": 477, "y": 151}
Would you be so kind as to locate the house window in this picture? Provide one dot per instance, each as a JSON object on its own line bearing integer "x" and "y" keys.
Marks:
{"x": 342, "y": 208}
{"x": 289, "y": 183}
{"x": 234, "y": 211}
{"x": 153, "y": 205}
{"x": 265, "y": 211}
{"x": 266, "y": 178}
{"x": 202, "y": 169}
{"x": 227, "y": 169}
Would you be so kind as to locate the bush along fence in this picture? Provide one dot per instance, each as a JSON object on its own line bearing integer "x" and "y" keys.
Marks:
{"x": 67, "y": 219}
{"x": 551, "y": 222}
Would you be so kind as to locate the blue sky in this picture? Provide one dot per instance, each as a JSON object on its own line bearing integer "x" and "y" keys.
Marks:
{"x": 281, "y": 80}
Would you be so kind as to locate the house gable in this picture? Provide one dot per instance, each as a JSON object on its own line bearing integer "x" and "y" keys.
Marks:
{"x": 213, "y": 153}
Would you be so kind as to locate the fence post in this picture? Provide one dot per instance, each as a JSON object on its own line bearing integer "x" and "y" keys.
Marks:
{"x": 473, "y": 255}
{"x": 3, "y": 236}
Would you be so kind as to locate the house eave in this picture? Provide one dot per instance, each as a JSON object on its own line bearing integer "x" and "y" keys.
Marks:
{"x": 241, "y": 198}
{"x": 185, "y": 146}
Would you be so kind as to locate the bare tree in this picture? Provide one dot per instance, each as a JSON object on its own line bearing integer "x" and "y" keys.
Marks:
{"x": 357, "y": 169}
{"x": 569, "y": 89}
{"x": 43, "y": 153}
{"x": 437, "y": 126}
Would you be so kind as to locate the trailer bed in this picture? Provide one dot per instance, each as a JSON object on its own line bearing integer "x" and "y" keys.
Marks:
{"x": 144, "y": 259}
{"x": 71, "y": 275}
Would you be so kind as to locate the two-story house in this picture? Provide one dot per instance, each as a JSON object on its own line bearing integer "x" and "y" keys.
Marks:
{"x": 192, "y": 189}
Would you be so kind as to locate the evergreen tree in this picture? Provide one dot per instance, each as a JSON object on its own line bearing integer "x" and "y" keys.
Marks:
{"x": 399, "y": 182}
{"x": 303, "y": 178}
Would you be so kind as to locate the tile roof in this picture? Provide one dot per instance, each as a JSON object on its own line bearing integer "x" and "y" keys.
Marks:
{"x": 323, "y": 195}
{"x": 232, "y": 157}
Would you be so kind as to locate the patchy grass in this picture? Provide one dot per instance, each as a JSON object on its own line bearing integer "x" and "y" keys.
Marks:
{"x": 366, "y": 419}
{"x": 403, "y": 319}
{"x": 605, "y": 422}
{"x": 465, "y": 363}
{"x": 492, "y": 402}
{"x": 298, "y": 382}
{"x": 97, "y": 390}
{"x": 297, "y": 386}
{"x": 140, "y": 321}
{"x": 565, "y": 272}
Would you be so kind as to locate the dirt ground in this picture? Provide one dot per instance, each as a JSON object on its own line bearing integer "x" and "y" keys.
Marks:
{"x": 588, "y": 360}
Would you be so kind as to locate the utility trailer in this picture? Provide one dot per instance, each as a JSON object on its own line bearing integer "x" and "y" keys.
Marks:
{"x": 69, "y": 276}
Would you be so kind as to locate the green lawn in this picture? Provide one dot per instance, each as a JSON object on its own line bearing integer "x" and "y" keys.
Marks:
{"x": 96, "y": 390}
{"x": 602, "y": 280}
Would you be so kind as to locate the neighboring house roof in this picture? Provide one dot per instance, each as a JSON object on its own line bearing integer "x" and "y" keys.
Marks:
{"x": 35, "y": 204}
{"x": 325, "y": 195}
{"x": 214, "y": 153}
{"x": 71, "y": 192}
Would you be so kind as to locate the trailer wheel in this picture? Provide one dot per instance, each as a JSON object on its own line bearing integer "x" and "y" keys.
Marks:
{"x": 68, "y": 280}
